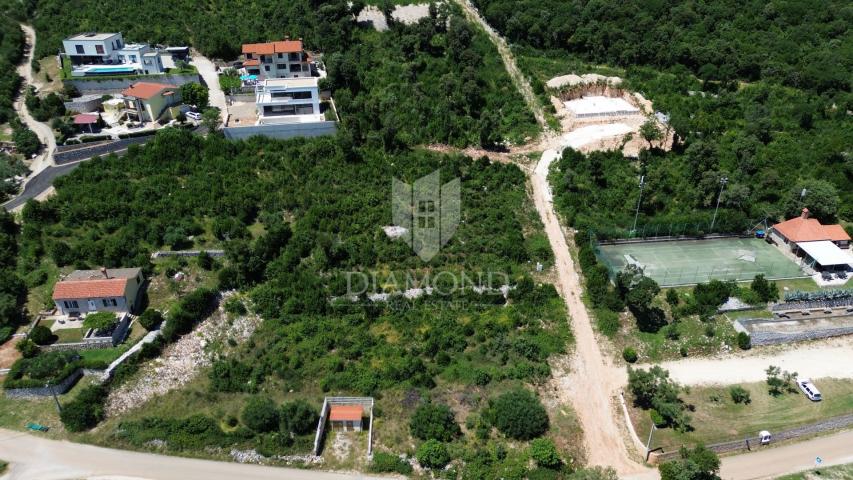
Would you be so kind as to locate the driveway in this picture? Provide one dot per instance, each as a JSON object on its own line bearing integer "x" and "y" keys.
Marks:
{"x": 207, "y": 70}
{"x": 33, "y": 457}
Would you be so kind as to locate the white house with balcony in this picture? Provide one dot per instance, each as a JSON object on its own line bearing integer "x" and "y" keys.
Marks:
{"x": 93, "y": 54}
{"x": 283, "y": 59}
{"x": 288, "y": 100}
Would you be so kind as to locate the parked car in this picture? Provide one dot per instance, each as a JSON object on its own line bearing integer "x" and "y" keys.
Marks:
{"x": 194, "y": 115}
{"x": 809, "y": 389}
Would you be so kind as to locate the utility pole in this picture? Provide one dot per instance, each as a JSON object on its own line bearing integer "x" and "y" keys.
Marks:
{"x": 639, "y": 199}
{"x": 723, "y": 182}
{"x": 52, "y": 392}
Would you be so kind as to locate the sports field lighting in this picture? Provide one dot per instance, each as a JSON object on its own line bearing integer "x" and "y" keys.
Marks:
{"x": 639, "y": 199}
{"x": 723, "y": 182}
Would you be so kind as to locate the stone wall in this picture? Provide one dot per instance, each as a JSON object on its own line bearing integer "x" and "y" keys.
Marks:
{"x": 775, "y": 338}
{"x": 282, "y": 131}
{"x": 57, "y": 389}
{"x": 115, "y": 85}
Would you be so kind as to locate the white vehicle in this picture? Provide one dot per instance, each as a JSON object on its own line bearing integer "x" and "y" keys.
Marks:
{"x": 809, "y": 389}
{"x": 764, "y": 437}
{"x": 194, "y": 115}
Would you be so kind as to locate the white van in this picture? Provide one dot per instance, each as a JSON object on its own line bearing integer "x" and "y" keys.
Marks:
{"x": 809, "y": 389}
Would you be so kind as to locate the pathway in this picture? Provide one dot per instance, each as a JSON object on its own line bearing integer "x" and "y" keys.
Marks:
{"x": 44, "y": 132}
{"x": 35, "y": 457}
{"x": 207, "y": 70}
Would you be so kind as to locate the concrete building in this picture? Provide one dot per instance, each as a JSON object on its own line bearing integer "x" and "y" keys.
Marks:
{"x": 94, "y": 54}
{"x": 823, "y": 247}
{"x": 147, "y": 102}
{"x": 284, "y": 59}
{"x": 93, "y": 48}
{"x": 288, "y": 100}
{"x": 86, "y": 291}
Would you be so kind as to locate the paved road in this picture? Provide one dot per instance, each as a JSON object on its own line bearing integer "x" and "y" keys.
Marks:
{"x": 38, "y": 183}
{"x": 207, "y": 70}
{"x": 32, "y": 457}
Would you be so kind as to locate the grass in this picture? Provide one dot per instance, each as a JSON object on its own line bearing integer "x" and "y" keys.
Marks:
{"x": 837, "y": 472}
{"x": 106, "y": 355}
{"x": 70, "y": 335}
{"x": 717, "y": 418}
{"x": 49, "y": 75}
{"x": 16, "y": 413}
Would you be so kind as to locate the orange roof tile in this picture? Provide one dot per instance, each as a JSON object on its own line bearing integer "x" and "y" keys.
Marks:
{"x": 341, "y": 413}
{"x": 74, "y": 289}
{"x": 251, "y": 63}
{"x": 284, "y": 46}
{"x": 804, "y": 229}
{"x": 85, "y": 118}
{"x": 145, "y": 90}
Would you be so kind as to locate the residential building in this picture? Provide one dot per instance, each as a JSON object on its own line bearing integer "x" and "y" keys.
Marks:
{"x": 821, "y": 246}
{"x": 284, "y": 59}
{"x": 346, "y": 417}
{"x": 93, "y": 54}
{"x": 105, "y": 290}
{"x": 288, "y": 100}
{"x": 147, "y": 102}
{"x": 93, "y": 48}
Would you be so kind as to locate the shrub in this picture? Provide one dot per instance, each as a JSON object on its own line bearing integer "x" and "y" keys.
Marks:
{"x": 86, "y": 410}
{"x": 260, "y": 414}
{"x": 388, "y": 463}
{"x": 231, "y": 376}
{"x": 150, "y": 319}
{"x": 205, "y": 261}
{"x": 744, "y": 342}
{"x": 657, "y": 418}
{"x": 298, "y": 417}
{"x": 100, "y": 320}
{"x": 235, "y": 306}
{"x": 519, "y": 414}
{"x": 672, "y": 297}
{"x": 607, "y": 321}
{"x": 544, "y": 453}
{"x": 41, "y": 335}
{"x": 192, "y": 309}
{"x": 434, "y": 421}
{"x": 629, "y": 354}
{"x": 28, "y": 348}
{"x": 433, "y": 454}
{"x": 739, "y": 394}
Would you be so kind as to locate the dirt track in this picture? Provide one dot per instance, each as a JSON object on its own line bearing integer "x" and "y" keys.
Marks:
{"x": 44, "y": 132}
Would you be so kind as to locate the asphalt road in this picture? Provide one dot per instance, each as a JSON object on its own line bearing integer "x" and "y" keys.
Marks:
{"x": 32, "y": 457}
{"x": 39, "y": 183}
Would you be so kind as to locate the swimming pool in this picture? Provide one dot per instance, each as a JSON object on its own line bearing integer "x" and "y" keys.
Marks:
{"x": 110, "y": 69}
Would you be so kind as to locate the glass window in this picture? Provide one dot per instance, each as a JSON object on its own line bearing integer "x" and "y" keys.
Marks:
{"x": 113, "y": 300}
{"x": 74, "y": 304}
{"x": 99, "y": 49}
{"x": 105, "y": 302}
{"x": 266, "y": 68}
{"x": 79, "y": 49}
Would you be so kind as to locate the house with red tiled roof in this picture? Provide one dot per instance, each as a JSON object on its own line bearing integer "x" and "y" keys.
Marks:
{"x": 821, "y": 246}
{"x": 104, "y": 290}
{"x": 282, "y": 59}
{"x": 87, "y": 122}
{"x": 148, "y": 101}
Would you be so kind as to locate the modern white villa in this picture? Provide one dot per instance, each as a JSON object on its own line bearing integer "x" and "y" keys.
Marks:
{"x": 288, "y": 100}
{"x": 93, "y": 54}
{"x": 283, "y": 59}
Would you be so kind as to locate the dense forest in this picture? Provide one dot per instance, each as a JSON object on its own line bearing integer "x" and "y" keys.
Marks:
{"x": 435, "y": 81}
{"x": 799, "y": 44}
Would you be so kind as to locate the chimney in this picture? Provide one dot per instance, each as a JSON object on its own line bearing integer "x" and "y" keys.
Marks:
{"x": 805, "y": 213}
{"x": 104, "y": 272}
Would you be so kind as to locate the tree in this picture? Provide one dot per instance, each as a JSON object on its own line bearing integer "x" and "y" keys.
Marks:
{"x": 650, "y": 131}
{"x": 260, "y": 414}
{"x": 298, "y": 417}
{"x": 100, "y": 320}
{"x": 434, "y": 421}
{"x": 653, "y": 389}
{"x": 744, "y": 342}
{"x": 739, "y": 394}
{"x": 766, "y": 291}
{"x": 86, "y": 410}
{"x": 41, "y": 335}
{"x": 432, "y": 454}
{"x": 779, "y": 381}
{"x": 696, "y": 464}
{"x": 151, "y": 319}
{"x": 211, "y": 120}
{"x": 821, "y": 198}
{"x": 544, "y": 453}
{"x": 193, "y": 93}
{"x": 519, "y": 414}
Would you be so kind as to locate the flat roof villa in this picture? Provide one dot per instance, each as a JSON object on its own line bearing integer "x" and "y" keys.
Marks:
{"x": 94, "y": 54}
{"x": 280, "y": 101}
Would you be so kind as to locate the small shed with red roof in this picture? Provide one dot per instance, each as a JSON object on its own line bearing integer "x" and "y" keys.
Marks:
{"x": 87, "y": 122}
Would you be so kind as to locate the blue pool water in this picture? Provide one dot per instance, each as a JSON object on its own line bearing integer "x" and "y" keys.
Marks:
{"x": 116, "y": 69}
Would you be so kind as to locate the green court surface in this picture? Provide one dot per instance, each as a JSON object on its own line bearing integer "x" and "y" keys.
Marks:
{"x": 687, "y": 262}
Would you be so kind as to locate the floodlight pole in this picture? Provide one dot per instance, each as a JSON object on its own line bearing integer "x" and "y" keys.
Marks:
{"x": 723, "y": 182}
{"x": 639, "y": 199}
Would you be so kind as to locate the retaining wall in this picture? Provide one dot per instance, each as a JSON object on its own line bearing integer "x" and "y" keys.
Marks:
{"x": 282, "y": 131}
{"x": 186, "y": 253}
{"x": 113, "y": 85}
{"x": 57, "y": 389}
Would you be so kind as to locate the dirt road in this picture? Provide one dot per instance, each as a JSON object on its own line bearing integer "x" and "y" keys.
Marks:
{"x": 32, "y": 457}
{"x": 833, "y": 450}
{"x": 829, "y": 358}
{"x": 44, "y": 132}
{"x": 207, "y": 70}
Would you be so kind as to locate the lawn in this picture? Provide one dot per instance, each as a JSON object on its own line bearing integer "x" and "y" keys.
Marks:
{"x": 16, "y": 413}
{"x": 837, "y": 472}
{"x": 717, "y": 418}
{"x": 70, "y": 335}
{"x": 104, "y": 355}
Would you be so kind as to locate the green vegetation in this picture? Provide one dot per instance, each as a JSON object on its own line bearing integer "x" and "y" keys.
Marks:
{"x": 698, "y": 463}
{"x": 85, "y": 410}
{"x": 838, "y": 472}
{"x": 780, "y": 382}
{"x": 433, "y": 421}
{"x": 653, "y": 389}
{"x": 99, "y": 320}
{"x": 47, "y": 368}
{"x": 518, "y": 414}
{"x": 150, "y": 319}
{"x": 739, "y": 394}
{"x": 433, "y": 454}
{"x": 195, "y": 94}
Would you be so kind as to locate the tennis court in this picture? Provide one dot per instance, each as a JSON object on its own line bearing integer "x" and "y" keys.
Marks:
{"x": 687, "y": 262}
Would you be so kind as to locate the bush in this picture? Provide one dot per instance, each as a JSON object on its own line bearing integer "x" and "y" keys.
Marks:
{"x": 388, "y": 463}
{"x": 657, "y": 418}
{"x": 86, "y": 410}
{"x": 260, "y": 414}
{"x": 629, "y": 354}
{"x": 192, "y": 309}
{"x": 6, "y": 334}
{"x": 434, "y": 421}
{"x": 672, "y": 297}
{"x": 607, "y": 321}
{"x": 41, "y": 335}
{"x": 231, "y": 376}
{"x": 544, "y": 453}
{"x": 739, "y": 394}
{"x": 298, "y": 417}
{"x": 433, "y": 454}
{"x": 150, "y": 319}
{"x": 519, "y": 414}
{"x": 28, "y": 348}
{"x": 744, "y": 342}
{"x": 235, "y": 306}
{"x": 100, "y": 320}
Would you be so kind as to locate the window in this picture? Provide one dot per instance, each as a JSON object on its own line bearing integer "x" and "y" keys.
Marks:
{"x": 105, "y": 302}
{"x": 74, "y": 304}
{"x": 294, "y": 57}
{"x": 79, "y": 49}
{"x": 292, "y": 95}
{"x": 99, "y": 49}
{"x": 113, "y": 301}
{"x": 133, "y": 58}
{"x": 249, "y": 56}
{"x": 280, "y": 55}
{"x": 281, "y": 66}
{"x": 266, "y": 68}
{"x": 121, "y": 58}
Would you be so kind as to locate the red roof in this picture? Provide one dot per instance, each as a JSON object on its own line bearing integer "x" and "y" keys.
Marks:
{"x": 252, "y": 63}
{"x": 346, "y": 413}
{"x": 145, "y": 90}
{"x": 804, "y": 229}
{"x": 74, "y": 289}
{"x": 85, "y": 118}
{"x": 285, "y": 46}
